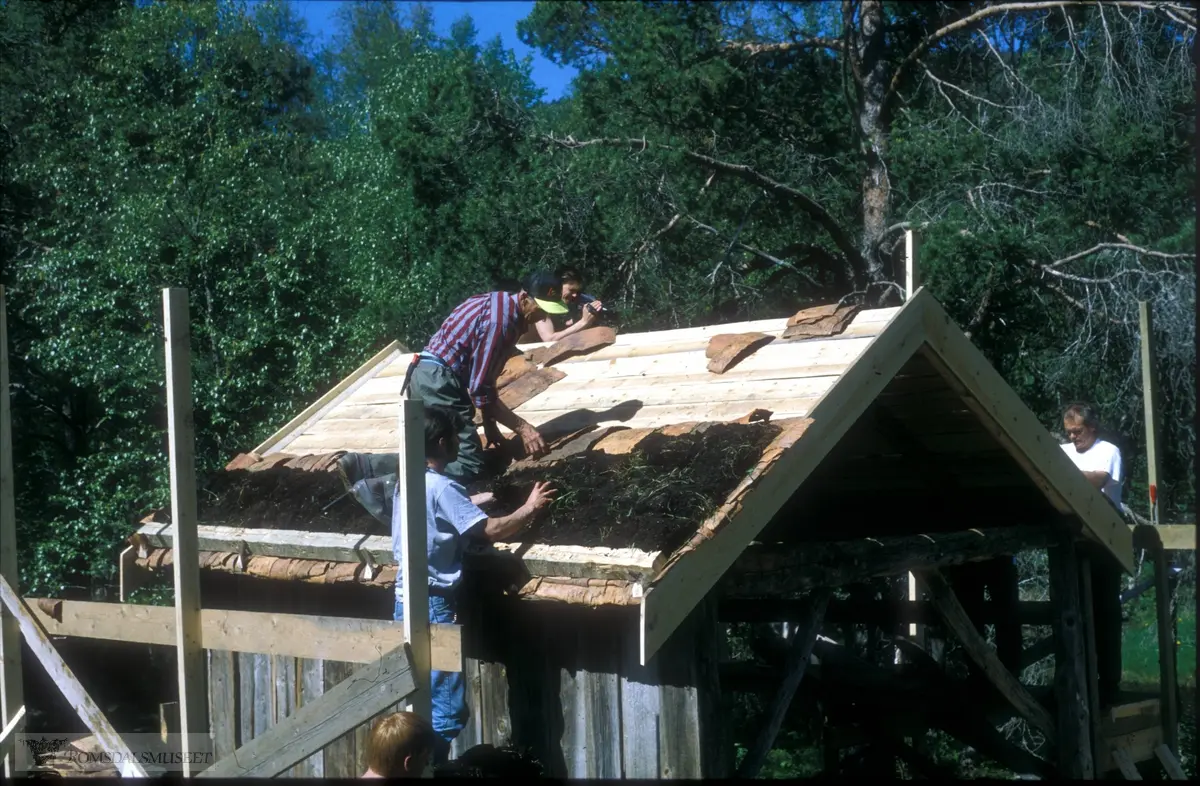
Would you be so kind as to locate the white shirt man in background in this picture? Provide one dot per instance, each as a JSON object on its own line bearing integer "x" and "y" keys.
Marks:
{"x": 1099, "y": 460}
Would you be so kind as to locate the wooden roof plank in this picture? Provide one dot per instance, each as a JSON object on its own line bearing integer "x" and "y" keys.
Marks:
{"x": 339, "y": 392}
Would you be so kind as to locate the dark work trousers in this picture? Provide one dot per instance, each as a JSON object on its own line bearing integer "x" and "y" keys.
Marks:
{"x": 433, "y": 383}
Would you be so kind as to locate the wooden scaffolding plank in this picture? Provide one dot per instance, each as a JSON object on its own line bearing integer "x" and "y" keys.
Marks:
{"x": 61, "y": 675}
{"x": 12, "y": 694}
{"x": 369, "y": 691}
{"x": 193, "y": 706}
{"x": 347, "y": 639}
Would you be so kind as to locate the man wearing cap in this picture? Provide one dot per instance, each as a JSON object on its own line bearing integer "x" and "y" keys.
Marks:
{"x": 459, "y": 366}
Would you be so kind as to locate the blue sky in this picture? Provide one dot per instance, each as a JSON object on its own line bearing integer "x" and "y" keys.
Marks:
{"x": 491, "y": 18}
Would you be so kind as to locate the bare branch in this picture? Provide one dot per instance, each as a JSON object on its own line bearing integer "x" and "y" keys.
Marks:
{"x": 972, "y": 96}
{"x": 1002, "y": 8}
{"x": 751, "y": 48}
{"x": 749, "y": 249}
{"x": 1116, "y": 246}
{"x": 819, "y": 214}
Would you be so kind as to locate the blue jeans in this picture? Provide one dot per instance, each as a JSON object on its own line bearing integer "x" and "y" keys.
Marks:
{"x": 448, "y": 689}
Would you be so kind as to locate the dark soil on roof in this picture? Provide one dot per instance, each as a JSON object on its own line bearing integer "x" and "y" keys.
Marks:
{"x": 283, "y": 498}
{"x": 652, "y": 498}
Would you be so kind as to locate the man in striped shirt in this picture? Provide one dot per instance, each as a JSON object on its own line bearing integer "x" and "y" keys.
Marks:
{"x": 459, "y": 366}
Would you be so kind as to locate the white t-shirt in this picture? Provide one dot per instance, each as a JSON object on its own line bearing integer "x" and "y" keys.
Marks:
{"x": 1100, "y": 457}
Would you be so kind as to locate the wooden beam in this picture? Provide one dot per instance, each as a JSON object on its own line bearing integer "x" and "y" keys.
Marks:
{"x": 1150, "y": 404}
{"x": 1148, "y": 538}
{"x": 61, "y": 675}
{"x": 1174, "y": 537}
{"x": 957, "y": 620}
{"x": 367, "y": 692}
{"x": 882, "y": 613}
{"x": 539, "y": 560}
{"x": 1091, "y": 669}
{"x": 414, "y": 566}
{"x": 1171, "y": 764}
{"x": 1076, "y": 759}
{"x": 680, "y": 586}
{"x": 1128, "y": 768}
{"x": 773, "y": 570}
{"x": 1007, "y": 418}
{"x": 12, "y": 694}
{"x": 338, "y": 393}
{"x": 799, "y": 652}
{"x": 8, "y": 735}
{"x": 193, "y": 704}
{"x": 347, "y": 639}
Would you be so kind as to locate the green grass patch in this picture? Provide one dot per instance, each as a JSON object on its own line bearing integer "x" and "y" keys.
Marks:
{"x": 1139, "y": 643}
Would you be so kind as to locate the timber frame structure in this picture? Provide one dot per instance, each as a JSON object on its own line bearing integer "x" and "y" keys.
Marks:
{"x": 395, "y": 659}
{"x": 614, "y": 661}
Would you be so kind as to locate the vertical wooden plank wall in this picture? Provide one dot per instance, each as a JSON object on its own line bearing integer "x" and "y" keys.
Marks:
{"x": 565, "y": 683}
{"x": 578, "y": 697}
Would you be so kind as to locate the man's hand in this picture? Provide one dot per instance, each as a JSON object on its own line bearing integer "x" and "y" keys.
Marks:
{"x": 535, "y": 446}
{"x": 482, "y": 498}
{"x": 492, "y": 432}
{"x": 541, "y": 496}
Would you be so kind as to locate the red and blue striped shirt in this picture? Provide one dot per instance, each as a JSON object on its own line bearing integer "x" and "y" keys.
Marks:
{"x": 475, "y": 340}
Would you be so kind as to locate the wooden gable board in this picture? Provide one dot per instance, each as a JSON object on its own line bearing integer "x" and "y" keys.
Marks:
{"x": 920, "y": 325}
{"x": 682, "y": 585}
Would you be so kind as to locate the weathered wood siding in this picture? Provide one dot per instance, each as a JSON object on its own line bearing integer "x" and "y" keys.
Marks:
{"x": 562, "y": 681}
{"x": 250, "y": 693}
{"x": 566, "y": 683}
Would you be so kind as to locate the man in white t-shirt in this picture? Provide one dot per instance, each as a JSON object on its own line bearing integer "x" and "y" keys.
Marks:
{"x": 1100, "y": 461}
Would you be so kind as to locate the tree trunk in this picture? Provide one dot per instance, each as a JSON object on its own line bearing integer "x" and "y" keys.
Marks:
{"x": 874, "y": 128}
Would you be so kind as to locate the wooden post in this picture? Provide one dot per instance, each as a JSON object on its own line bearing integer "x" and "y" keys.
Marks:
{"x": 12, "y": 695}
{"x": 414, "y": 565}
{"x": 1075, "y": 758}
{"x": 1088, "y": 604}
{"x": 193, "y": 701}
{"x": 1150, "y": 403}
{"x": 912, "y": 280}
{"x": 1168, "y": 684}
{"x": 912, "y": 272}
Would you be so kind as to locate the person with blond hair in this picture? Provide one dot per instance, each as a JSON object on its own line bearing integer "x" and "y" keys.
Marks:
{"x": 400, "y": 746}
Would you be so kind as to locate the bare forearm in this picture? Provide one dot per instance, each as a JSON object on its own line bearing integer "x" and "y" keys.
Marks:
{"x": 1097, "y": 479}
{"x": 506, "y": 526}
{"x": 500, "y": 413}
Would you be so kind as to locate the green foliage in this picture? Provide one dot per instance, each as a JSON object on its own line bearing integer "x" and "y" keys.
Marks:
{"x": 318, "y": 205}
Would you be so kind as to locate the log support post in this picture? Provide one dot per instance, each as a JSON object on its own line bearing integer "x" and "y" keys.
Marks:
{"x": 1075, "y": 758}
{"x": 800, "y": 650}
